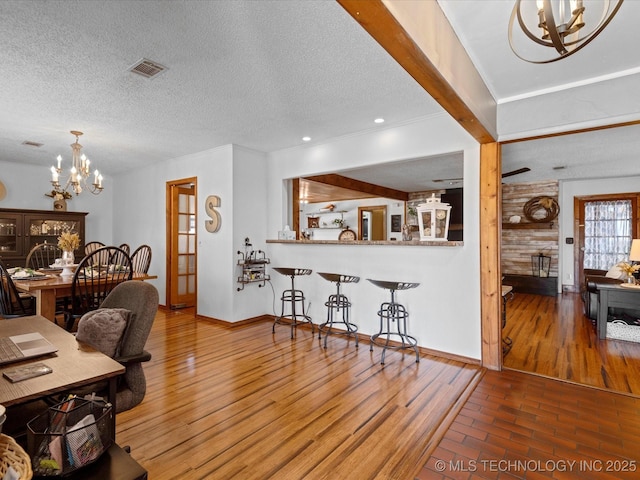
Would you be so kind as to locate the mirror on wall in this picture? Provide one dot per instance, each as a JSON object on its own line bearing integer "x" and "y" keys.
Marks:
{"x": 377, "y": 200}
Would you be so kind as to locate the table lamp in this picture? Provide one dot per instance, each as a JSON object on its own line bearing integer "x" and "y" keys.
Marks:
{"x": 634, "y": 256}
{"x": 634, "y": 253}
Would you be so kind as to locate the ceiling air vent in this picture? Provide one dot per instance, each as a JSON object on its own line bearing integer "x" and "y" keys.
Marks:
{"x": 147, "y": 68}
{"x": 32, "y": 144}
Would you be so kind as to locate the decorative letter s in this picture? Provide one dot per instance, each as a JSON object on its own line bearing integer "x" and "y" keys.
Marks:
{"x": 212, "y": 225}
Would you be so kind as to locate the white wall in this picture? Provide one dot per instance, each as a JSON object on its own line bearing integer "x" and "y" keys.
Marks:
{"x": 140, "y": 206}
{"x": 445, "y": 309}
{"x": 576, "y": 188}
{"x": 234, "y": 174}
{"x": 26, "y": 187}
{"x": 249, "y": 220}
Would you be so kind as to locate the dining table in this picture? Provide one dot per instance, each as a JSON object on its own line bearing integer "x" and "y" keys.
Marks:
{"x": 49, "y": 288}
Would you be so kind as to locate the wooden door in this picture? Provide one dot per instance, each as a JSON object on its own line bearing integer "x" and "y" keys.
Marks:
{"x": 181, "y": 243}
{"x": 579, "y": 224}
{"x": 377, "y": 222}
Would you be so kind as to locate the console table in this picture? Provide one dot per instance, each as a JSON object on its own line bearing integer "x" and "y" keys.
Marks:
{"x": 610, "y": 296}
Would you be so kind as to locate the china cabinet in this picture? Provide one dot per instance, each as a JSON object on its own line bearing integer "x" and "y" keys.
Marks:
{"x": 21, "y": 230}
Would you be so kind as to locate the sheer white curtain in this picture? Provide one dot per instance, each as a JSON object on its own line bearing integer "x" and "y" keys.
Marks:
{"x": 607, "y": 233}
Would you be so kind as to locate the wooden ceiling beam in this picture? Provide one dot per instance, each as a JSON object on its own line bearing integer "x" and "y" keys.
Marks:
{"x": 359, "y": 186}
{"x": 419, "y": 37}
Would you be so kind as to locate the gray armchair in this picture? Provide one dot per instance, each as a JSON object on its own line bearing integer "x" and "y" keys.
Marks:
{"x": 141, "y": 299}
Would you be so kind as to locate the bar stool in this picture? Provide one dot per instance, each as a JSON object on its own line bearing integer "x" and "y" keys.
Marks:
{"x": 507, "y": 294}
{"x": 336, "y": 303}
{"x": 393, "y": 320}
{"x": 292, "y": 297}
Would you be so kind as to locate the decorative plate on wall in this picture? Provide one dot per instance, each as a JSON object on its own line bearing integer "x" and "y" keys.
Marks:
{"x": 3, "y": 191}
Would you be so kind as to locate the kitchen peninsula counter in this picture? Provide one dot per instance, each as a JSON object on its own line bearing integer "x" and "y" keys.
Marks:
{"x": 412, "y": 243}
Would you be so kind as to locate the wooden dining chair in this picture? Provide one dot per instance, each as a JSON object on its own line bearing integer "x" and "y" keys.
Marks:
{"x": 94, "y": 279}
{"x": 91, "y": 246}
{"x": 126, "y": 248}
{"x": 13, "y": 303}
{"x": 141, "y": 259}
{"x": 43, "y": 255}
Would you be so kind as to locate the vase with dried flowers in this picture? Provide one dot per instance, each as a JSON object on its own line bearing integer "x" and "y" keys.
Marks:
{"x": 629, "y": 270}
{"x": 68, "y": 242}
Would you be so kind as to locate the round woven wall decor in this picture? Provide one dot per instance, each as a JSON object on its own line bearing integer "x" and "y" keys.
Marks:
{"x": 541, "y": 209}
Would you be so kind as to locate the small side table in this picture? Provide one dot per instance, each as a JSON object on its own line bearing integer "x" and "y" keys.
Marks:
{"x": 295, "y": 299}
{"x": 337, "y": 303}
{"x": 393, "y": 321}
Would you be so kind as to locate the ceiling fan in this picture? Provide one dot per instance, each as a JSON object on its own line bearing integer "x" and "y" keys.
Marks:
{"x": 504, "y": 175}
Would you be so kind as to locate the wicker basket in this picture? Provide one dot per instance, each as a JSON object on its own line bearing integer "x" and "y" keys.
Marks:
{"x": 12, "y": 454}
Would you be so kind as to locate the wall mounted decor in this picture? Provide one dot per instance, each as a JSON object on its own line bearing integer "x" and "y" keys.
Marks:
{"x": 210, "y": 204}
{"x": 541, "y": 209}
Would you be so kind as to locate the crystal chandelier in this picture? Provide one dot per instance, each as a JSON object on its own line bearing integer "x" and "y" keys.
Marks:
{"x": 563, "y": 25}
{"x": 79, "y": 174}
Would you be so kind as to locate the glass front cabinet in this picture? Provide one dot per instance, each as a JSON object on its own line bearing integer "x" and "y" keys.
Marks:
{"x": 21, "y": 230}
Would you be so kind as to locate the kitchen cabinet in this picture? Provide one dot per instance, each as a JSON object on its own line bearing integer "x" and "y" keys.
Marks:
{"x": 21, "y": 230}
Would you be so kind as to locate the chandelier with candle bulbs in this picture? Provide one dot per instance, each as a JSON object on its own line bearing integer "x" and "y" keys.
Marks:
{"x": 565, "y": 26}
{"x": 80, "y": 174}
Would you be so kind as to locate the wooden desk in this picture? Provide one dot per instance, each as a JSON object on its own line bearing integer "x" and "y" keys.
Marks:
{"x": 47, "y": 291}
{"x": 74, "y": 364}
{"x": 614, "y": 296}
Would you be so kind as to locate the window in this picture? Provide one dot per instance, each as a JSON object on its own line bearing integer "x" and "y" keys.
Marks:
{"x": 608, "y": 231}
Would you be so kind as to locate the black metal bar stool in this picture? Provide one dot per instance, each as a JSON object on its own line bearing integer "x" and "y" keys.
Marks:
{"x": 295, "y": 299}
{"x": 335, "y": 304}
{"x": 393, "y": 321}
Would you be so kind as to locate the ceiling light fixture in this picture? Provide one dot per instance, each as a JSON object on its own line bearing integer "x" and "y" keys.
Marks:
{"x": 78, "y": 174}
{"x": 564, "y": 25}
{"x": 379, "y": 120}
{"x": 306, "y": 139}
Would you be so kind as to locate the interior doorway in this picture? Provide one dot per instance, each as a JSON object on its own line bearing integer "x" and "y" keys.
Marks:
{"x": 608, "y": 233}
{"x": 181, "y": 243}
{"x": 372, "y": 223}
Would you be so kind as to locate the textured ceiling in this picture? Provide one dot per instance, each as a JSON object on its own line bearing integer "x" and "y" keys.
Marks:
{"x": 257, "y": 74}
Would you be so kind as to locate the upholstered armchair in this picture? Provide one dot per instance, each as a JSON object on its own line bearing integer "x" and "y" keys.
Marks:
{"x": 124, "y": 340}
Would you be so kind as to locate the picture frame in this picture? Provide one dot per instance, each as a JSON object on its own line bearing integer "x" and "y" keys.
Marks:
{"x": 396, "y": 223}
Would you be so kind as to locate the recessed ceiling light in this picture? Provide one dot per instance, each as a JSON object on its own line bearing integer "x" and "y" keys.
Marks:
{"x": 306, "y": 139}
{"x": 379, "y": 120}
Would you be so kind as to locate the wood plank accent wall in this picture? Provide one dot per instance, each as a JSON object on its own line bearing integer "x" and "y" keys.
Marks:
{"x": 518, "y": 244}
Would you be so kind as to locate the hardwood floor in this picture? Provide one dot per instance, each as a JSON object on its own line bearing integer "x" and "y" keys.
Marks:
{"x": 552, "y": 337}
{"x": 520, "y": 426}
{"x": 242, "y": 403}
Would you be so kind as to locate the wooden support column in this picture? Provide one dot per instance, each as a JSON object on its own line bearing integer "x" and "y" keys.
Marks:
{"x": 295, "y": 207}
{"x": 490, "y": 234}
